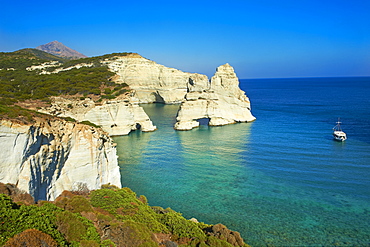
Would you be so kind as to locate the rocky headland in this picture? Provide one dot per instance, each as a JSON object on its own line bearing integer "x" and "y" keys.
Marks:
{"x": 61, "y": 141}
{"x": 51, "y": 155}
{"x": 116, "y": 117}
{"x": 220, "y": 99}
{"x": 152, "y": 82}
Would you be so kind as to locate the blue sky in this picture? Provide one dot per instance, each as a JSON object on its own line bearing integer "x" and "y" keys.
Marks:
{"x": 259, "y": 38}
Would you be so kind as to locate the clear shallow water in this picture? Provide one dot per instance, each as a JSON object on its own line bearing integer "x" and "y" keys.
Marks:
{"x": 280, "y": 180}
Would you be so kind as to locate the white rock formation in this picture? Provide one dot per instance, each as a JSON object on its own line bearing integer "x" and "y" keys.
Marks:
{"x": 45, "y": 65}
{"x": 51, "y": 156}
{"x": 153, "y": 82}
{"x": 115, "y": 117}
{"x": 42, "y": 67}
{"x": 221, "y": 101}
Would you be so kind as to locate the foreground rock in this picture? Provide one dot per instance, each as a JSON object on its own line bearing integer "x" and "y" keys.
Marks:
{"x": 222, "y": 232}
{"x": 52, "y": 155}
{"x": 115, "y": 117}
{"x": 221, "y": 101}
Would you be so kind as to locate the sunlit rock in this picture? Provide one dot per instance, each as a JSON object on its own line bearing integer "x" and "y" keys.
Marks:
{"x": 50, "y": 156}
{"x": 115, "y": 117}
{"x": 223, "y": 102}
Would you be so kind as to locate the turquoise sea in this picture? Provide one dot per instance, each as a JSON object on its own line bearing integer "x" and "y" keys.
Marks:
{"x": 281, "y": 180}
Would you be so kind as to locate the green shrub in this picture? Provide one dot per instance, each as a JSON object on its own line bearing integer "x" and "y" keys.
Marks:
{"x": 15, "y": 220}
{"x": 109, "y": 186}
{"x": 6, "y": 202}
{"x": 107, "y": 243}
{"x": 107, "y": 91}
{"x": 137, "y": 234}
{"x": 181, "y": 227}
{"x": 78, "y": 204}
{"x": 31, "y": 237}
{"x": 124, "y": 205}
{"x": 88, "y": 243}
{"x": 90, "y": 124}
{"x": 69, "y": 119}
{"x": 76, "y": 228}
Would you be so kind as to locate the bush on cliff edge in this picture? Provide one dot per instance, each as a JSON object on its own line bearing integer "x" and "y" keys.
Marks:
{"x": 106, "y": 217}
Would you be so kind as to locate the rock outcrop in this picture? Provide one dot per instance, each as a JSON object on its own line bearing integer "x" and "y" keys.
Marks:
{"x": 151, "y": 81}
{"x": 53, "y": 155}
{"x": 115, "y": 117}
{"x": 222, "y": 232}
{"x": 221, "y": 101}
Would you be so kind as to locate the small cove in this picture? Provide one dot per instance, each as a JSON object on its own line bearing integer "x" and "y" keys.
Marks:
{"x": 280, "y": 180}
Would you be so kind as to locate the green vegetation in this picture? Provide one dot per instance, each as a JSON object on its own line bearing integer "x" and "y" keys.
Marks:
{"x": 17, "y": 218}
{"x": 124, "y": 205}
{"x": 94, "y": 60}
{"x": 106, "y": 217}
{"x": 90, "y": 124}
{"x": 22, "y": 85}
{"x": 16, "y": 112}
{"x": 24, "y": 58}
{"x": 17, "y": 84}
{"x": 180, "y": 227}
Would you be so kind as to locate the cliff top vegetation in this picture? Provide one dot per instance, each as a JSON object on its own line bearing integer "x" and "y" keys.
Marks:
{"x": 106, "y": 217}
{"x": 19, "y": 83}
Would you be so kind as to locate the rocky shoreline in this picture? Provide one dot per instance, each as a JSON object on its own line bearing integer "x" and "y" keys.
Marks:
{"x": 51, "y": 155}
{"x": 219, "y": 99}
{"x": 67, "y": 145}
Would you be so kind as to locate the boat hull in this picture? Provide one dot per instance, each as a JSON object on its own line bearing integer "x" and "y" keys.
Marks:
{"x": 339, "y": 136}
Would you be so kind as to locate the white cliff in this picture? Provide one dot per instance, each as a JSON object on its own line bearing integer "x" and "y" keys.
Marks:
{"x": 51, "y": 156}
{"x": 151, "y": 81}
{"x": 115, "y": 117}
{"x": 221, "y": 101}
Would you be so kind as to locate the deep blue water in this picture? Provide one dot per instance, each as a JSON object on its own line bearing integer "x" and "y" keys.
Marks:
{"x": 281, "y": 180}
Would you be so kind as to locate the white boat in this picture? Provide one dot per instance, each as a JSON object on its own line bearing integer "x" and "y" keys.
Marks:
{"x": 338, "y": 133}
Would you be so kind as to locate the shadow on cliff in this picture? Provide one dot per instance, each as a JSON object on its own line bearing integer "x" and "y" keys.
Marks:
{"x": 203, "y": 121}
{"x": 158, "y": 98}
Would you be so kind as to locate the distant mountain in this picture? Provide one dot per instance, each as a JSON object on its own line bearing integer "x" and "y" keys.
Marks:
{"x": 58, "y": 49}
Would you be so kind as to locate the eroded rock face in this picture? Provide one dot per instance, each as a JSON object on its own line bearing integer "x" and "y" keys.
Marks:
{"x": 223, "y": 102}
{"x": 51, "y": 156}
{"x": 220, "y": 99}
{"x": 220, "y": 231}
{"x": 153, "y": 82}
{"x": 115, "y": 117}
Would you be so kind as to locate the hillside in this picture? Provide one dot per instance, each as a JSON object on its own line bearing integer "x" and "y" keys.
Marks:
{"x": 89, "y": 91}
{"x": 24, "y": 58}
{"x": 31, "y": 74}
{"x": 106, "y": 217}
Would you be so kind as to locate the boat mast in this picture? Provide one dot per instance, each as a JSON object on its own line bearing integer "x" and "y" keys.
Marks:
{"x": 338, "y": 125}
